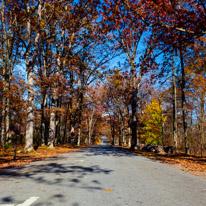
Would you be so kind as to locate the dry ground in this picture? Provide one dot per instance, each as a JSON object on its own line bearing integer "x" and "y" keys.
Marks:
{"x": 191, "y": 164}
{"x": 6, "y": 156}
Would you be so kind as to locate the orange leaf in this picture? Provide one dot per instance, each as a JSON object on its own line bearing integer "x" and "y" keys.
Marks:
{"x": 107, "y": 190}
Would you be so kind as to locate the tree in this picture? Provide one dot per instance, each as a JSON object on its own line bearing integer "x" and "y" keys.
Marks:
{"x": 196, "y": 75}
{"x": 174, "y": 98}
{"x": 174, "y": 15}
{"x": 29, "y": 36}
{"x": 128, "y": 32}
{"x": 8, "y": 59}
{"x": 153, "y": 123}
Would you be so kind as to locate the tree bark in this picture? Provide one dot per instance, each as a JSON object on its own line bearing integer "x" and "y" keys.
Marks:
{"x": 52, "y": 125}
{"x": 65, "y": 126}
{"x": 113, "y": 134}
{"x": 123, "y": 131}
{"x": 202, "y": 138}
{"x": 7, "y": 116}
{"x": 120, "y": 129}
{"x": 3, "y": 120}
{"x": 162, "y": 124}
{"x": 44, "y": 100}
{"x": 43, "y": 125}
{"x": 30, "y": 112}
{"x": 30, "y": 80}
{"x": 129, "y": 137}
{"x": 112, "y": 129}
{"x": 52, "y": 122}
{"x": 174, "y": 99}
{"x": 30, "y": 109}
{"x": 134, "y": 108}
{"x": 184, "y": 103}
{"x": 90, "y": 126}
{"x": 72, "y": 123}
{"x": 80, "y": 119}
{"x": 6, "y": 77}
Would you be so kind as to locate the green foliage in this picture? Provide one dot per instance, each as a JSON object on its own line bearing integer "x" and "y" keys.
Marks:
{"x": 152, "y": 121}
{"x": 7, "y": 146}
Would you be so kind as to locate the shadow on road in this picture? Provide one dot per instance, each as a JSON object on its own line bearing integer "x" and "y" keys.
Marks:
{"x": 55, "y": 165}
{"x": 106, "y": 151}
{"x": 53, "y": 175}
{"x": 40, "y": 173}
{"x": 63, "y": 172}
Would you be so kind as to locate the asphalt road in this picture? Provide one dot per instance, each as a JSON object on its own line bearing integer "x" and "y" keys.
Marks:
{"x": 100, "y": 176}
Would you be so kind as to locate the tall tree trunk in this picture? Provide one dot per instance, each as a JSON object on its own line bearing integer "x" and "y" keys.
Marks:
{"x": 134, "y": 108}
{"x": 3, "y": 120}
{"x": 65, "y": 129}
{"x": 120, "y": 129}
{"x": 131, "y": 52}
{"x": 43, "y": 121}
{"x": 72, "y": 123}
{"x": 44, "y": 101}
{"x": 70, "y": 108}
{"x": 30, "y": 112}
{"x": 57, "y": 123}
{"x": 52, "y": 121}
{"x": 202, "y": 138}
{"x": 112, "y": 129}
{"x": 72, "y": 134}
{"x": 184, "y": 103}
{"x": 61, "y": 123}
{"x": 113, "y": 134}
{"x": 6, "y": 77}
{"x": 162, "y": 124}
{"x": 123, "y": 130}
{"x": 52, "y": 124}
{"x": 65, "y": 139}
{"x": 3, "y": 114}
{"x": 91, "y": 132}
{"x": 129, "y": 137}
{"x": 174, "y": 99}
{"x": 90, "y": 126}
{"x": 30, "y": 81}
{"x": 30, "y": 109}
{"x": 80, "y": 119}
{"x": 7, "y": 116}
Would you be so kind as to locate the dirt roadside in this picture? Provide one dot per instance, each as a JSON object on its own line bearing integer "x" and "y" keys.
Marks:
{"x": 6, "y": 156}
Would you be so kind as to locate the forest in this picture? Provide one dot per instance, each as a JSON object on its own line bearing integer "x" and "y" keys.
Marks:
{"x": 131, "y": 70}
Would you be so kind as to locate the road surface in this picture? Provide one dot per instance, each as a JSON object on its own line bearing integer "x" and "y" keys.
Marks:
{"x": 100, "y": 176}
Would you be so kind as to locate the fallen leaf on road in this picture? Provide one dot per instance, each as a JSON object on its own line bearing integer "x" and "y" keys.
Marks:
{"x": 107, "y": 190}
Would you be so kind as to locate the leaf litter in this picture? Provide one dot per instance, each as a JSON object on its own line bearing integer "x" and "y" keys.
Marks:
{"x": 6, "y": 156}
{"x": 191, "y": 164}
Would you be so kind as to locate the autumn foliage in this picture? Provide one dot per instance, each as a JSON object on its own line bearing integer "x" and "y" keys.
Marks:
{"x": 72, "y": 71}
